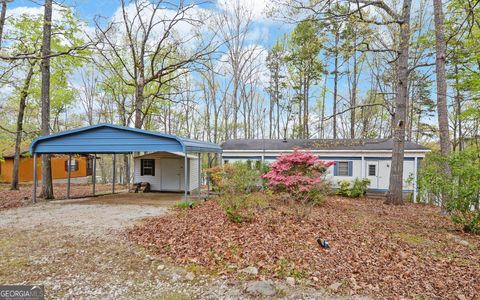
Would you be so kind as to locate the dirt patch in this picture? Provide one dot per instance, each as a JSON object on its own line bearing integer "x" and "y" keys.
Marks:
{"x": 383, "y": 251}
{"x": 151, "y": 199}
{"x": 77, "y": 219}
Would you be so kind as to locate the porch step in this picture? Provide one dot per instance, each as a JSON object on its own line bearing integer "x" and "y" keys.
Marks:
{"x": 376, "y": 195}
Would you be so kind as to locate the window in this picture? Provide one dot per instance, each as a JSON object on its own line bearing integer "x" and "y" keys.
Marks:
{"x": 73, "y": 165}
{"x": 343, "y": 168}
{"x": 147, "y": 167}
{"x": 372, "y": 170}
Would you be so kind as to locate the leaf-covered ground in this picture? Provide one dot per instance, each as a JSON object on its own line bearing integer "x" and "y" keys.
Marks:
{"x": 22, "y": 197}
{"x": 376, "y": 250}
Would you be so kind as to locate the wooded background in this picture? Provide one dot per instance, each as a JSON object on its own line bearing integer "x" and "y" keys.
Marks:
{"x": 401, "y": 69}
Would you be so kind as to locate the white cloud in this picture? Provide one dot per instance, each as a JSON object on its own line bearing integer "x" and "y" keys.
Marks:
{"x": 186, "y": 28}
{"x": 257, "y": 9}
{"x": 37, "y": 11}
{"x": 58, "y": 16}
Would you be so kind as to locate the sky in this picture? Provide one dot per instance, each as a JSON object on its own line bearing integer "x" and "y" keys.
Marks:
{"x": 266, "y": 29}
{"x": 264, "y": 32}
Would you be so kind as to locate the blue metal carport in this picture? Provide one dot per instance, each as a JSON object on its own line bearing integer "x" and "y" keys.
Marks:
{"x": 115, "y": 139}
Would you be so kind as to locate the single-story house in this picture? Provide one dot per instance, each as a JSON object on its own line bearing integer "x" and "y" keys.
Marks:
{"x": 81, "y": 166}
{"x": 354, "y": 158}
{"x": 164, "y": 171}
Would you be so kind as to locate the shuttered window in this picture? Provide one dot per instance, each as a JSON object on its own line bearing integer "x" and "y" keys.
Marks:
{"x": 147, "y": 167}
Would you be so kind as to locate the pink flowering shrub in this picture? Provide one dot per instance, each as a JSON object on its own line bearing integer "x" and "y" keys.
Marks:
{"x": 298, "y": 173}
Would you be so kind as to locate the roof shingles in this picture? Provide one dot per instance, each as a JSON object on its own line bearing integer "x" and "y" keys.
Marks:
{"x": 315, "y": 144}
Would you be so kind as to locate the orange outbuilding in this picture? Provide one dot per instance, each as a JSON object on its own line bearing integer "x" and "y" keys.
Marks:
{"x": 80, "y": 165}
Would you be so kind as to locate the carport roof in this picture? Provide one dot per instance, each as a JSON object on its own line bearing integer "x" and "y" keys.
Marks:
{"x": 109, "y": 138}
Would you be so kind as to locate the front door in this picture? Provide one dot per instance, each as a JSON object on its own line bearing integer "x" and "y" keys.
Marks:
{"x": 372, "y": 173}
{"x": 171, "y": 173}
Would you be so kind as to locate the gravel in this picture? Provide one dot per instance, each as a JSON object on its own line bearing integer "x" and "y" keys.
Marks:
{"x": 78, "y": 219}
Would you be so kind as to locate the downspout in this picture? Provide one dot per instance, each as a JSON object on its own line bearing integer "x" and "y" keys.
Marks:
{"x": 415, "y": 170}
{"x": 185, "y": 168}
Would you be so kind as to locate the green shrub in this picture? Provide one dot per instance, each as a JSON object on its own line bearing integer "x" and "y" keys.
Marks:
{"x": 459, "y": 191}
{"x": 240, "y": 208}
{"x": 318, "y": 194}
{"x": 354, "y": 189}
{"x": 359, "y": 188}
{"x": 343, "y": 187}
{"x": 184, "y": 204}
{"x": 237, "y": 184}
{"x": 238, "y": 177}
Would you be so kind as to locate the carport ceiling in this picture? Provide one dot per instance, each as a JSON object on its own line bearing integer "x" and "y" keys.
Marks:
{"x": 109, "y": 138}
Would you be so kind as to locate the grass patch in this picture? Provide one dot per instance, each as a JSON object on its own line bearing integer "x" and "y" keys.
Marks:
{"x": 175, "y": 296}
{"x": 16, "y": 263}
{"x": 411, "y": 238}
{"x": 184, "y": 205}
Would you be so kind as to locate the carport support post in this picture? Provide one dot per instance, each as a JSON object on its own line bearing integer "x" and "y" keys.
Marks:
{"x": 185, "y": 180}
{"x": 94, "y": 177}
{"x": 69, "y": 169}
{"x": 113, "y": 175}
{"x": 199, "y": 175}
{"x": 34, "y": 196}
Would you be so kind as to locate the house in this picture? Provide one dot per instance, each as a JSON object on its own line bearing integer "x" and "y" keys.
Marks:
{"x": 354, "y": 158}
{"x": 164, "y": 171}
{"x": 80, "y": 167}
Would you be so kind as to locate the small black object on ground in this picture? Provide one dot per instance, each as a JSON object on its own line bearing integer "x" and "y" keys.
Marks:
{"x": 323, "y": 243}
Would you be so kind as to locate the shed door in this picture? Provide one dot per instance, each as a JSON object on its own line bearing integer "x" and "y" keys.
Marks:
{"x": 171, "y": 173}
{"x": 372, "y": 173}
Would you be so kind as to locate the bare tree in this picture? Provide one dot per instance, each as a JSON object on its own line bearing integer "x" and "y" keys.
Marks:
{"x": 19, "y": 130}
{"x": 153, "y": 56}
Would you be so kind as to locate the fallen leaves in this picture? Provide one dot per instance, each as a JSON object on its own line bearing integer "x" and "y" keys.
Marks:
{"x": 378, "y": 250}
{"x": 22, "y": 197}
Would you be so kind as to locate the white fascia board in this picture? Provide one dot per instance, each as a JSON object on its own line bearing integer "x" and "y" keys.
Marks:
{"x": 366, "y": 153}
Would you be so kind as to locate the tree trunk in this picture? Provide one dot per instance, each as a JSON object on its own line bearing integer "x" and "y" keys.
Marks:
{"x": 335, "y": 85}
{"x": 458, "y": 110}
{"x": 139, "y": 99}
{"x": 2, "y": 20}
{"x": 322, "y": 121}
{"x": 126, "y": 167}
{"x": 395, "y": 193}
{"x": 18, "y": 139}
{"x": 47, "y": 184}
{"x": 440, "y": 47}
{"x": 305, "y": 107}
{"x": 353, "y": 99}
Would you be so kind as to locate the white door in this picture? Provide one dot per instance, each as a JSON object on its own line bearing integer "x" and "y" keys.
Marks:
{"x": 171, "y": 174}
{"x": 372, "y": 173}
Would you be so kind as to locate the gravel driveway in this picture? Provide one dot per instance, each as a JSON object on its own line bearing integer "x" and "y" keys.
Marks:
{"x": 80, "y": 251}
{"x": 77, "y": 219}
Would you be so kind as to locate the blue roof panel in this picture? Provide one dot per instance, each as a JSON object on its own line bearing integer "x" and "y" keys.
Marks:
{"x": 109, "y": 138}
